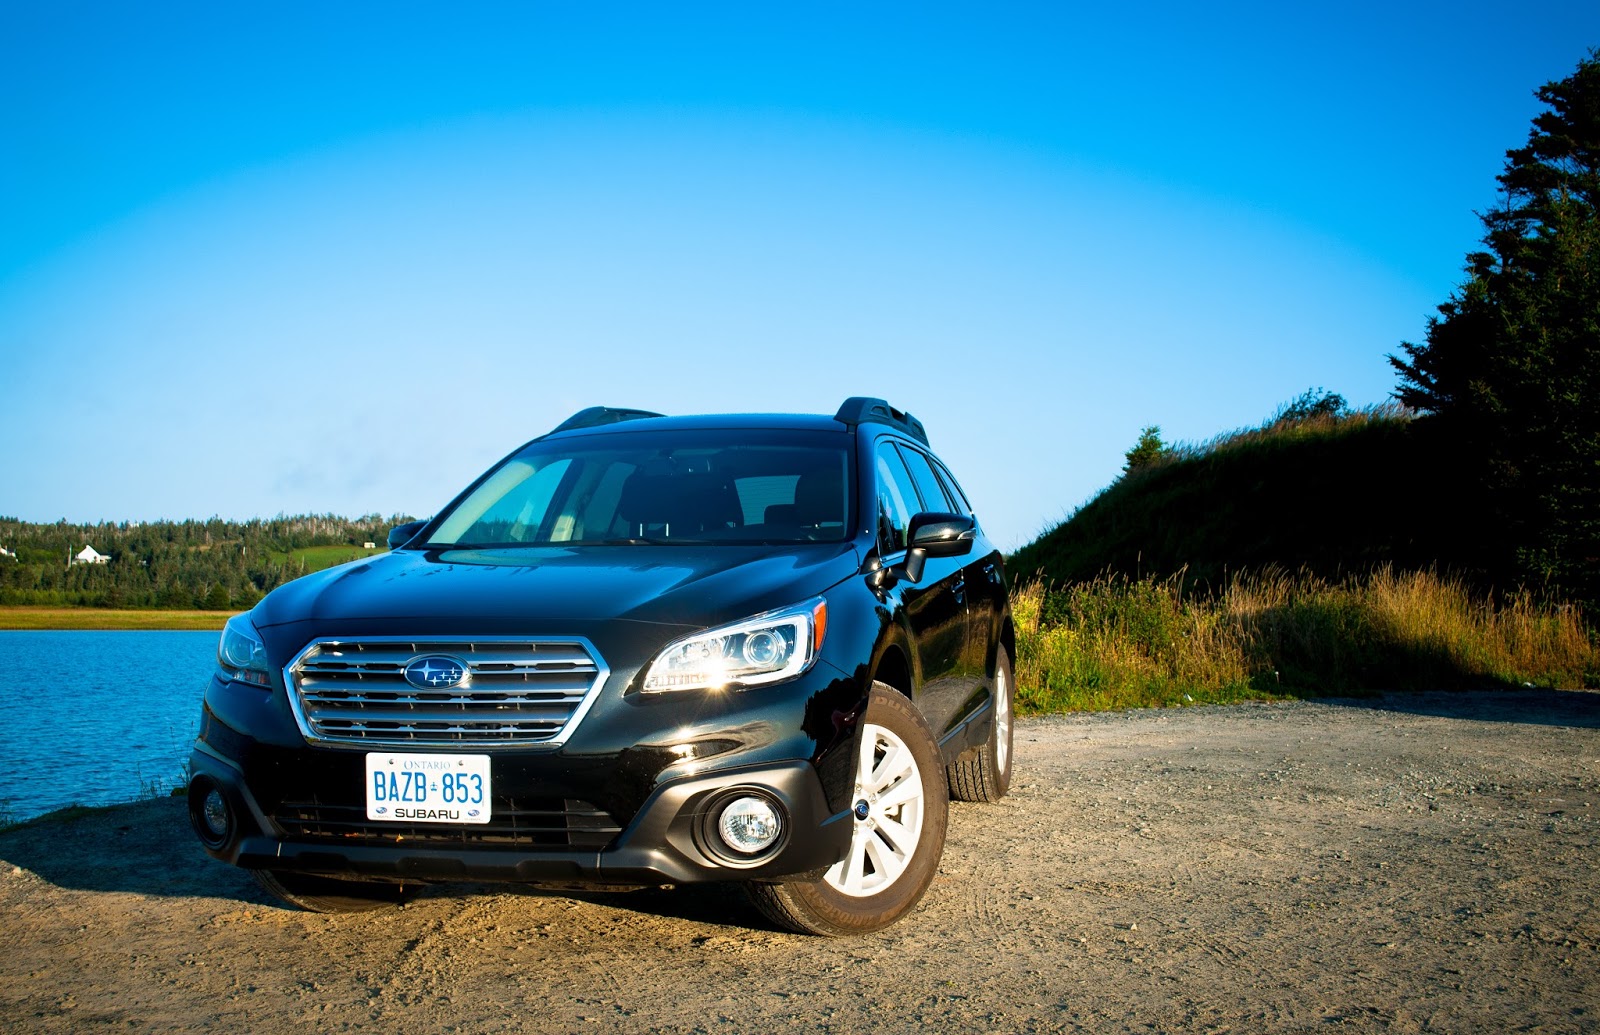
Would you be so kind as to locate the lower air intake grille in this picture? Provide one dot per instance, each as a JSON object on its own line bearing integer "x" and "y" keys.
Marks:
{"x": 552, "y": 823}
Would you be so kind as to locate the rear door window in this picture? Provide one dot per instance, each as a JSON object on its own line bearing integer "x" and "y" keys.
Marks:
{"x": 928, "y": 487}
{"x": 952, "y": 488}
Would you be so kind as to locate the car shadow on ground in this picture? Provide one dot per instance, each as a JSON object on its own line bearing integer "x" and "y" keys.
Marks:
{"x": 143, "y": 848}
{"x": 147, "y": 848}
{"x": 1578, "y": 709}
{"x": 712, "y": 905}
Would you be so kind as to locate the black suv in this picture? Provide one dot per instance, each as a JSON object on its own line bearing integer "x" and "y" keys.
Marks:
{"x": 640, "y": 650}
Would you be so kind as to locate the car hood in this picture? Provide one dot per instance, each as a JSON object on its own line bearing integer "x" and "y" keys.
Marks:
{"x": 551, "y": 588}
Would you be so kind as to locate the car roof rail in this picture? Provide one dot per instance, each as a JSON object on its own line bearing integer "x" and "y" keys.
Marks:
{"x": 595, "y": 416}
{"x": 860, "y": 409}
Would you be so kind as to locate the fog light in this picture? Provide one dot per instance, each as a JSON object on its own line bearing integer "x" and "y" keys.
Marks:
{"x": 210, "y": 813}
{"x": 214, "y": 813}
{"x": 749, "y": 825}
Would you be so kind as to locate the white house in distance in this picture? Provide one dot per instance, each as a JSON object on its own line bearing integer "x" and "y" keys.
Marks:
{"x": 7, "y": 553}
{"x": 89, "y": 555}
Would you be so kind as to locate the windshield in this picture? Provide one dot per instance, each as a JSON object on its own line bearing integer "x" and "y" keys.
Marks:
{"x": 723, "y": 486}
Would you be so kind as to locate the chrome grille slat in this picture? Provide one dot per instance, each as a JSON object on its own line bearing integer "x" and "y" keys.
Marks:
{"x": 493, "y": 680}
{"x": 498, "y": 701}
{"x": 357, "y": 654}
{"x": 373, "y": 716}
{"x": 519, "y": 691}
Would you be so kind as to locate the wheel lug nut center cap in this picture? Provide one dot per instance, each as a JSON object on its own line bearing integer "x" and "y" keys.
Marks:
{"x": 862, "y": 809}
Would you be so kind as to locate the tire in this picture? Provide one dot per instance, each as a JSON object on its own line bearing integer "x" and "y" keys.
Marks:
{"x": 894, "y": 851}
{"x": 330, "y": 894}
{"x": 984, "y": 773}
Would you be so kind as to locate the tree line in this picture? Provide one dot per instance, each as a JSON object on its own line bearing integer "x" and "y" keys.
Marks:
{"x": 211, "y": 564}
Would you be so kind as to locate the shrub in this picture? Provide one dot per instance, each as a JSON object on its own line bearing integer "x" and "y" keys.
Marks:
{"x": 1116, "y": 642}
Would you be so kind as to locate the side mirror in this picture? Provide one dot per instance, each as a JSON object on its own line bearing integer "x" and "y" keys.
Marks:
{"x": 935, "y": 534}
{"x": 400, "y": 535}
{"x": 942, "y": 535}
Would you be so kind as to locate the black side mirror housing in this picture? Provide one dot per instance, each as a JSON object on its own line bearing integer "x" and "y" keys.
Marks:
{"x": 942, "y": 535}
{"x": 400, "y": 535}
{"x": 935, "y": 534}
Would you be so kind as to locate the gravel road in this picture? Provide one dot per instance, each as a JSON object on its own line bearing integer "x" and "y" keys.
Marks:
{"x": 1411, "y": 863}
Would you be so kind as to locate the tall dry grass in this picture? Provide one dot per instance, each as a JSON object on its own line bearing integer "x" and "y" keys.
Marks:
{"x": 1119, "y": 643}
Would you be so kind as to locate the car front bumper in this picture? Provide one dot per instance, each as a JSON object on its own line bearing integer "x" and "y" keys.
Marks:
{"x": 670, "y": 840}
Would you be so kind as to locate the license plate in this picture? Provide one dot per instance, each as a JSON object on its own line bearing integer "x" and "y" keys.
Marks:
{"x": 427, "y": 788}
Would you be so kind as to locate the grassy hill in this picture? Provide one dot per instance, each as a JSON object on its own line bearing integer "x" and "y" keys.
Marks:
{"x": 1331, "y": 495}
{"x": 1337, "y": 553}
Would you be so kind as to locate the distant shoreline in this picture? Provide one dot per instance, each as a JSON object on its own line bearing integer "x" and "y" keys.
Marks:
{"x": 12, "y": 618}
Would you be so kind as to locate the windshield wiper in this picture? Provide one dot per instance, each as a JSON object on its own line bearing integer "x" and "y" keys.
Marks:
{"x": 489, "y": 546}
{"x": 631, "y": 540}
{"x": 643, "y": 540}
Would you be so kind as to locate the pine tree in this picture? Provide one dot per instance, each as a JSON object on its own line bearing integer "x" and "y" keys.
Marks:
{"x": 1510, "y": 367}
{"x": 1147, "y": 452}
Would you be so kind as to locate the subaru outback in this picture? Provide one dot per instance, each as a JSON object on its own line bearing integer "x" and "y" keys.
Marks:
{"x": 638, "y": 651}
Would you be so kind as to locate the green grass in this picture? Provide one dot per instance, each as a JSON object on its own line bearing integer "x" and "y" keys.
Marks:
{"x": 109, "y": 618}
{"x": 62, "y": 815}
{"x": 1116, "y": 642}
{"x": 314, "y": 558}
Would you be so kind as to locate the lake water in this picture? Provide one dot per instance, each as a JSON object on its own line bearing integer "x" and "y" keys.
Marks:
{"x": 97, "y": 717}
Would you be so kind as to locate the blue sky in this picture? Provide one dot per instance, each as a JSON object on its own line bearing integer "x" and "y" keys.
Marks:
{"x": 338, "y": 258}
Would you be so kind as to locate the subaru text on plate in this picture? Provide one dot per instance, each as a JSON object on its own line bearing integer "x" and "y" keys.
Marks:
{"x": 640, "y": 650}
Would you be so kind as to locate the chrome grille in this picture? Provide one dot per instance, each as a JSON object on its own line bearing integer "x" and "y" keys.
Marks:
{"x": 517, "y": 692}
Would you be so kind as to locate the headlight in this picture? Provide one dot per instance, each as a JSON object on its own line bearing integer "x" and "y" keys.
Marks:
{"x": 240, "y": 653}
{"x": 768, "y": 648}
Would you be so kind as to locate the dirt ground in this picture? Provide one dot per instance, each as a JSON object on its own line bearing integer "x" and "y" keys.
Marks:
{"x": 1414, "y": 863}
